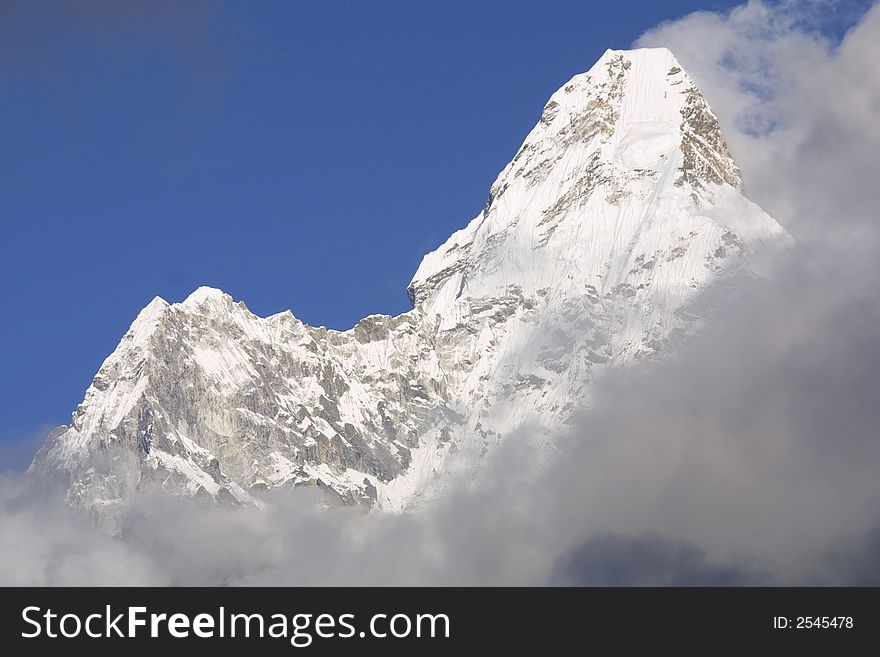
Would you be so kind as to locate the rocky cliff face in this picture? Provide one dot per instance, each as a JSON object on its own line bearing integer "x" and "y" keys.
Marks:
{"x": 620, "y": 207}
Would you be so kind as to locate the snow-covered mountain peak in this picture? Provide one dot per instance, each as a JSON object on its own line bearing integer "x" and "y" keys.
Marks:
{"x": 645, "y": 105}
{"x": 205, "y": 294}
{"x": 639, "y": 80}
{"x": 621, "y": 207}
{"x": 147, "y": 320}
{"x": 617, "y": 155}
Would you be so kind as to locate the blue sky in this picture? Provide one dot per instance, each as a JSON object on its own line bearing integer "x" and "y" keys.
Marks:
{"x": 300, "y": 155}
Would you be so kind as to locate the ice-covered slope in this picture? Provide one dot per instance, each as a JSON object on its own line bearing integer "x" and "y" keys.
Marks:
{"x": 621, "y": 206}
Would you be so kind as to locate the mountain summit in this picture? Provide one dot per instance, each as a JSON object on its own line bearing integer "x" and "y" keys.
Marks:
{"x": 620, "y": 208}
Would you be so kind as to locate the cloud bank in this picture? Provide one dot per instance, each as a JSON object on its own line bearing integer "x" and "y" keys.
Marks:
{"x": 748, "y": 457}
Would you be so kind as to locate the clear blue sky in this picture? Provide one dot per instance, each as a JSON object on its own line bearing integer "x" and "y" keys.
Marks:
{"x": 300, "y": 155}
